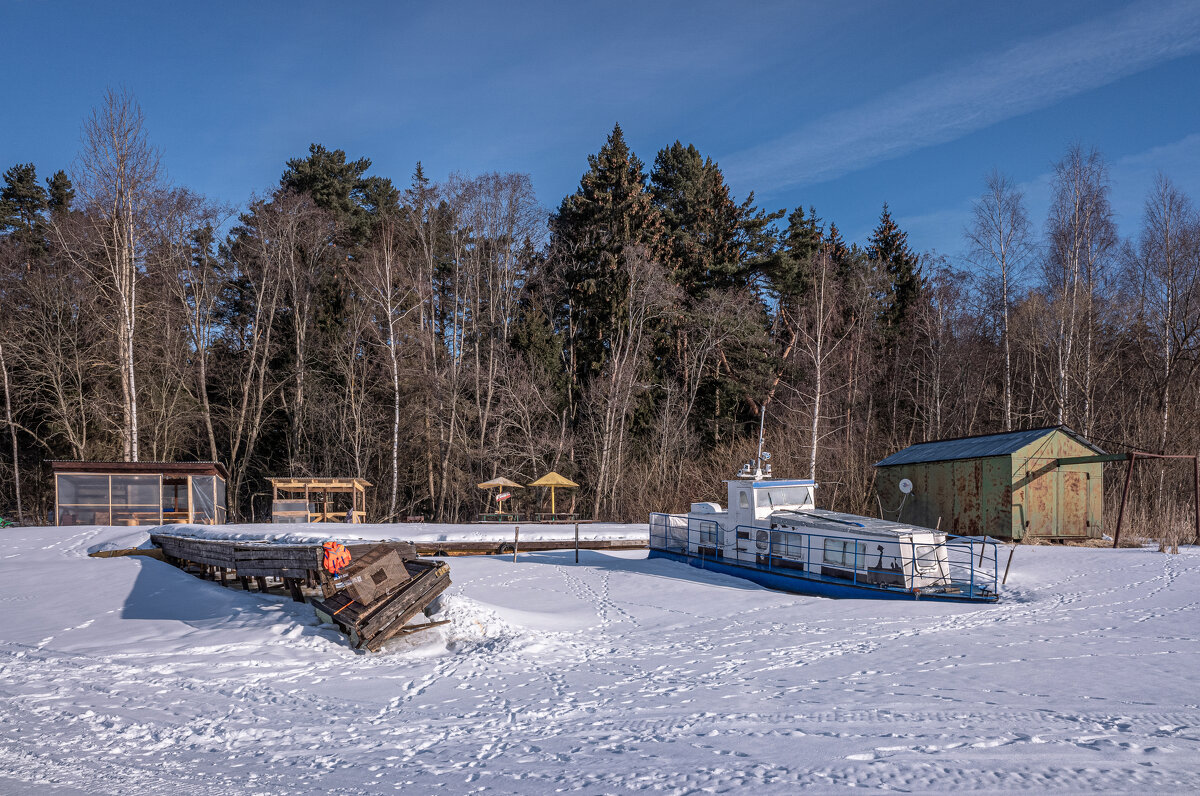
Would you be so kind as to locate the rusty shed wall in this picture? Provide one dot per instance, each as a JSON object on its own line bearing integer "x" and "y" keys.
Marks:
{"x": 963, "y": 496}
{"x": 1057, "y": 502}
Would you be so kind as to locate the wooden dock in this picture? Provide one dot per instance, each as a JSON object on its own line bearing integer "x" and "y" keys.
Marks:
{"x": 371, "y": 600}
{"x": 496, "y": 548}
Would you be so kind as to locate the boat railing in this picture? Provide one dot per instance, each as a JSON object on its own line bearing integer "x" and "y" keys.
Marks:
{"x": 965, "y": 563}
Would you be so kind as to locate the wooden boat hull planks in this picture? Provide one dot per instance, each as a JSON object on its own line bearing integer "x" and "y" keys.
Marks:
{"x": 391, "y": 584}
{"x": 368, "y": 626}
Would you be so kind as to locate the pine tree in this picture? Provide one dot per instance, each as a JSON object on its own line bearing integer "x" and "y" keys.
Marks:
{"x": 898, "y": 264}
{"x": 338, "y": 185}
{"x": 23, "y": 207}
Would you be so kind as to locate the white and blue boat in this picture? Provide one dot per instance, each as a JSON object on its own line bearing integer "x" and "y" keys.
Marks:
{"x": 772, "y": 533}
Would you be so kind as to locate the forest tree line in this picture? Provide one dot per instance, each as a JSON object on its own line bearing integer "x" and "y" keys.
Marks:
{"x": 428, "y": 336}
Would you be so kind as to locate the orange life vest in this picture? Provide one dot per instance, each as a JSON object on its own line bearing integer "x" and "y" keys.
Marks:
{"x": 336, "y": 557}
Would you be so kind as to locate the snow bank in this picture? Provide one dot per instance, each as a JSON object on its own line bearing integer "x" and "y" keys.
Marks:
{"x": 617, "y": 674}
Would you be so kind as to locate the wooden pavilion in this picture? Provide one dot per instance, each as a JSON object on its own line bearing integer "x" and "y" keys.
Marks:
{"x": 138, "y": 493}
{"x": 319, "y": 500}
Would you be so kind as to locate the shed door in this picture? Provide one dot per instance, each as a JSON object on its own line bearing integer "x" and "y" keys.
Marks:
{"x": 1073, "y": 503}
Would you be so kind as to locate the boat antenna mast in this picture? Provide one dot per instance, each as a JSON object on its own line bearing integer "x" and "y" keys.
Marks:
{"x": 760, "y": 467}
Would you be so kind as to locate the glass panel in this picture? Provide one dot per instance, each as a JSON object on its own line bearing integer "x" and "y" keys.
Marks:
{"x": 221, "y": 504}
{"x": 75, "y": 515}
{"x": 289, "y": 511}
{"x": 782, "y": 496}
{"x": 136, "y": 490}
{"x": 83, "y": 490}
{"x": 835, "y": 551}
{"x": 174, "y": 497}
{"x": 204, "y": 506}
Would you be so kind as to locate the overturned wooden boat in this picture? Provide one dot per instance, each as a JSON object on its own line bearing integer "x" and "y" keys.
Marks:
{"x": 772, "y": 533}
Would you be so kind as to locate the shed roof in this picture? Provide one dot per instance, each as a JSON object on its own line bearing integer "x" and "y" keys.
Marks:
{"x": 978, "y": 447}
{"x": 139, "y": 468}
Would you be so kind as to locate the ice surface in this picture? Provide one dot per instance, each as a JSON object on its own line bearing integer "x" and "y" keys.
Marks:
{"x": 125, "y": 675}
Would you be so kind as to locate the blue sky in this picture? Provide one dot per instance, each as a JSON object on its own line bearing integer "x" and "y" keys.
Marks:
{"x": 839, "y": 106}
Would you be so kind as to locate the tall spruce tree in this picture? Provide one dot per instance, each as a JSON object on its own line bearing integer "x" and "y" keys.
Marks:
{"x": 790, "y": 271}
{"x": 711, "y": 240}
{"x": 593, "y": 230}
{"x": 899, "y": 266}
{"x": 60, "y": 192}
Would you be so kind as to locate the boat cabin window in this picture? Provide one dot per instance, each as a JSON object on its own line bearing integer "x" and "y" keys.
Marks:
{"x": 925, "y": 557}
{"x": 841, "y": 552}
{"x": 743, "y": 499}
{"x": 783, "y": 496}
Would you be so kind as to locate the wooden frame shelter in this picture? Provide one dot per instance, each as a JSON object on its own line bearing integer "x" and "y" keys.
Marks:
{"x": 138, "y": 493}
{"x": 319, "y": 500}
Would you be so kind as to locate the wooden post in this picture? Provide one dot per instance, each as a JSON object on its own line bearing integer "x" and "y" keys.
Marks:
{"x": 516, "y": 541}
{"x": 262, "y": 582}
{"x": 1124, "y": 498}
{"x": 242, "y": 579}
{"x": 576, "y": 543}
{"x": 293, "y": 585}
{"x": 1011, "y": 550}
{"x": 1196, "y": 467}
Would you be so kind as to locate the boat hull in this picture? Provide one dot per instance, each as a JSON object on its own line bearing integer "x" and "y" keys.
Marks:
{"x": 822, "y": 586}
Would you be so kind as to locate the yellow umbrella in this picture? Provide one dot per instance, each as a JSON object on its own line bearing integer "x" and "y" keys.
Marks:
{"x": 553, "y": 480}
{"x": 500, "y": 484}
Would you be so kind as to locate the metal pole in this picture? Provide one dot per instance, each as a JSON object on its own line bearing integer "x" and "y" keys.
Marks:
{"x": 576, "y": 543}
{"x": 516, "y": 541}
{"x": 1124, "y": 497}
{"x": 1011, "y": 550}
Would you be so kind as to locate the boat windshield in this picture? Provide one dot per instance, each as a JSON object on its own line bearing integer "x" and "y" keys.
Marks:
{"x": 777, "y": 496}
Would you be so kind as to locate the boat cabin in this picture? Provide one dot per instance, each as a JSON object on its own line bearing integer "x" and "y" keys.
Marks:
{"x": 776, "y": 525}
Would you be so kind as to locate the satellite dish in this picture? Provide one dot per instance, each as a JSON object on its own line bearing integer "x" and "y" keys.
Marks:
{"x": 905, "y": 486}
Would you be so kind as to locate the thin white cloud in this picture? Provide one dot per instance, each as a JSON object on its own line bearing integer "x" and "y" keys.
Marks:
{"x": 947, "y": 105}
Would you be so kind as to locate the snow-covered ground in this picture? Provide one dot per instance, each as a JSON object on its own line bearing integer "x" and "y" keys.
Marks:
{"x": 124, "y": 675}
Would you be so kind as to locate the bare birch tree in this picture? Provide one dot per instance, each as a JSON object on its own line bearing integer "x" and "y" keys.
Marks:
{"x": 1164, "y": 268}
{"x": 391, "y": 296}
{"x": 1081, "y": 237}
{"x": 1001, "y": 244}
{"x": 117, "y": 179}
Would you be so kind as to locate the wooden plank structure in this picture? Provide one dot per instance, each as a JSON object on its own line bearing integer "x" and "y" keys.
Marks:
{"x": 391, "y": 606}
{"x": 319, "y": 500}
{"x": 371, "y": 600}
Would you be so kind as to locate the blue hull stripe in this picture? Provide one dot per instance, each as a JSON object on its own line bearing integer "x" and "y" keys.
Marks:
{"x": 817, "y": 585}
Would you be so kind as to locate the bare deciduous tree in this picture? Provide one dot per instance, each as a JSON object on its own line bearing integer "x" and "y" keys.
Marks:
{"x": 118, "y": 180}
{"x": 1001, "y": 244}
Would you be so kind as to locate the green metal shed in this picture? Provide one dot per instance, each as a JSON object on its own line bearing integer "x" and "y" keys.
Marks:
{"x": 1007, "y": 486}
